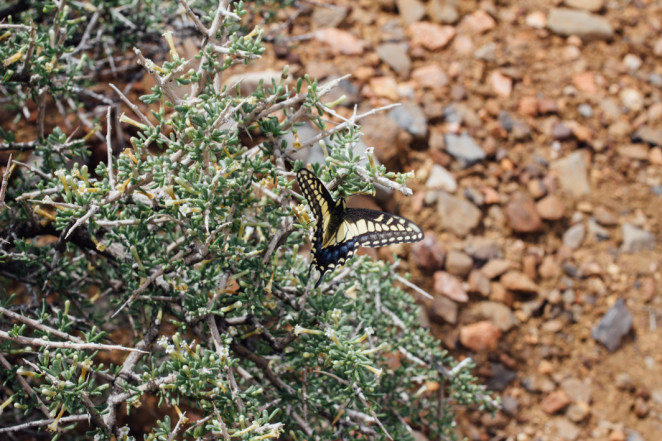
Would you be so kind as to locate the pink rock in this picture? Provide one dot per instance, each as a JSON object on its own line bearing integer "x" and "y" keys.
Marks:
{"x": 528, "y": 106}
{"x": 429, "y": 254}
{"x": 518, "y": 281}
{"x": 550, "y": 208}
{"x": 431, "y": 75}
{"x": 496, "y": 267}
{"x": 655, "y": 156}
{"x": 536, "y": 19}
{"x": 341, "y": 42}
{"x": 450, "y": 286}
{"x": 479, "y": 283}
{"x": 501, "y": 84}
{"x": 585, "y": 82}
{"x": 522, "y": 214}
{"x": 431, "y": 36}
{"x": 479, "y": 22}
{"x": 385, "y": 87}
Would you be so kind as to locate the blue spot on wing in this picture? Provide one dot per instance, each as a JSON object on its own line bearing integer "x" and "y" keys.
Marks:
{"x": 328, "y": 257}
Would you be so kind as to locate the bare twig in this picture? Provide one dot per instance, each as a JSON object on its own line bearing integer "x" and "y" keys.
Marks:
{"x": 46, "y": 422}
{"x": 66, "y": 345}
{"x": 109, "y": 151}
{"x": 5, "y": 180}
{"x": 93, "y": 209}
{"x": 407, "y": 283}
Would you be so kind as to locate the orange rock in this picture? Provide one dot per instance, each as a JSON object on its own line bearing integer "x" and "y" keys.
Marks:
{"x": 480, "y": 336}
{"x": 555, "y": 402}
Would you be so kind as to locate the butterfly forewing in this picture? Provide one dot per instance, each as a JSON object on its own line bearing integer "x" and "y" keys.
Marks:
{"x": 320, "y": 201}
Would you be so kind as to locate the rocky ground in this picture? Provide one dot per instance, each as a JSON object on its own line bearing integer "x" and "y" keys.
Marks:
{"x": 535, "y": 132}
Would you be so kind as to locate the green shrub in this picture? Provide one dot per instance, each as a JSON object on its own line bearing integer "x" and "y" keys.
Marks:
{"x": 186, "y": 248}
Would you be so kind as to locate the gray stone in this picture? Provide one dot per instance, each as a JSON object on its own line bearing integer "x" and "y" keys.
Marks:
{"x": 597, "y": 231}
{"x": 566, "y": 429}
{"x": 632, "y": 62}
{"x": 577, "y": 390}
{"x": 441, "y": 179}
{"x": 452, "y": 114}
{"x": 458, "y": 263}
{"x": 577, "y": 412}
{"x": 510, "y": 405}
{"x": 464, "y": 148}
{"x": 392, "y": 31}
{"x": 486, "y": 52}
{"x": 632, "y": 99}
{"x": 458, "y": 215}
{"x": 585, "y": 110}
{"x": 585, "y": 25}
{"x": 572, "y": 174}
{"x": 443, "y": 310}
{"x": 475, "y": 196}
{"x": 501, "y": 376}
{"x": 396, "y": 55}
{"x": 656, "y": 395}
{"x": 410, "y": 116}
{"x": 623, "y": 381}
{"x": 483, "y": 249}
{"x": 636, "y": 239}
{"x": 634, "y": 436}
{"x": 561, "y": 132}
{"x": 646, "y": 134}
{"x": 443, "y": 11}
{"x": 610, "y": 108}
{"x": 655, "y": 79}
{"x": 613, "y": 326}
{"x": 329, "y": 16}
{"x": 574, "y": 236}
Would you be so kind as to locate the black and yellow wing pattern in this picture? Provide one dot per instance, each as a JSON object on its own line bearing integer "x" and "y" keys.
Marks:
{"x": 340, "y": 230}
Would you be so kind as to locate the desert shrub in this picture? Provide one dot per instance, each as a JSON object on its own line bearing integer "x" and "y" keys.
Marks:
{"x": 171, "y": 273}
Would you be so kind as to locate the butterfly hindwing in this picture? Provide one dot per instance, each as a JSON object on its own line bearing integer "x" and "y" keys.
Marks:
{"x": 373, "y": 228}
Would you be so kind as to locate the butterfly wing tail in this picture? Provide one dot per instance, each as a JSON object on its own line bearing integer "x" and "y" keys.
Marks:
{"x": 310, "y": 270}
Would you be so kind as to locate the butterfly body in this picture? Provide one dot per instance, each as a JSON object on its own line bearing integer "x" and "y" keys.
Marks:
{"x": 341, "y": 230}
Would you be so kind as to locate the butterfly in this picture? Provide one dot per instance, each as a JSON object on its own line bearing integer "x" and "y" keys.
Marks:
{"x": 340, "y": 230}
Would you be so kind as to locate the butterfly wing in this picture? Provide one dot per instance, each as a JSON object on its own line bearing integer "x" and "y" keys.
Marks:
{"x": 363, "y": 227}
{"x": 318, "y": 197}
{"x": 373, "y": 228}
{"x": 328, "y": 214}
